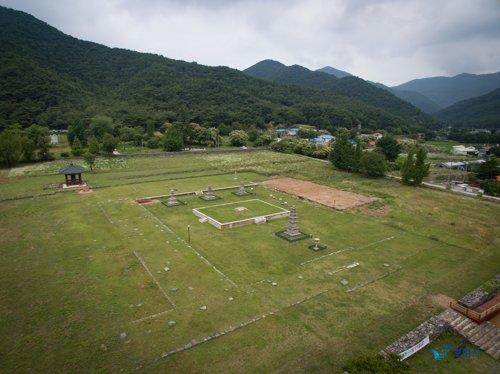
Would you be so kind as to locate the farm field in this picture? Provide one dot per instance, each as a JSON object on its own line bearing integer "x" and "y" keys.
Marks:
{"x": 99, "y": 282}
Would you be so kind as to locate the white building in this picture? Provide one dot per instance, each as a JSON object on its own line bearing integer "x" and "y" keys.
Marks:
{"x": 464, "y": 151}
{"x": 54, "y": 139}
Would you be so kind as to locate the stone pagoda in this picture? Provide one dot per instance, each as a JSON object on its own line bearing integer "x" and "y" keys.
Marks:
{"x": 241, "y": 191}
{"x": 209, "y": 194}
{"x": 172, "y": 200}
{"x": 292, "y": 232}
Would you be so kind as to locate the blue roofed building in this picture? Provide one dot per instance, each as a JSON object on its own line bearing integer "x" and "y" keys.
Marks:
{"x": 323, "y": 139}
{"x": 292, "y": 131}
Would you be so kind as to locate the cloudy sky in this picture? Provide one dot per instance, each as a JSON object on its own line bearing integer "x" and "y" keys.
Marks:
{"x": 389, "y": 41}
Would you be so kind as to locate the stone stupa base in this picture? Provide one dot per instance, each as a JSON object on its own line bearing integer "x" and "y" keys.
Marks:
{"x": 317, "y": 248}
{"x": 292, "y": 238}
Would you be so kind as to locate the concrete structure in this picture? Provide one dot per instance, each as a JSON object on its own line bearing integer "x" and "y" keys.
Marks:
{"x": 54, "y": 139}
{"x": 323, "y": 139}
{"x": 172, "y": 200}
{"x": 464, "y": 151}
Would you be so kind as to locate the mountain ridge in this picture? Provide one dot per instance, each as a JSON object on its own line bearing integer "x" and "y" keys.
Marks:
{"x": 53, "y": 79}
{"x": 478, "y": 112}
{"x": 350, "y": 86}
{"x": 446, "y": 91}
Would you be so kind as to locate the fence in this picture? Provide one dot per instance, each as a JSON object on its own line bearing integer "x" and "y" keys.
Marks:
{"x": 473, "y": 314}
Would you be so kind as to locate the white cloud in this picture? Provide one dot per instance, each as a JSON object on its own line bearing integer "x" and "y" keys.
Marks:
{"x": 389, "y": 41}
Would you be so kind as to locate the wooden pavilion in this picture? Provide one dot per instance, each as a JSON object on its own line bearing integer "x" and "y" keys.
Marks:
{"x": 72, "y": 174}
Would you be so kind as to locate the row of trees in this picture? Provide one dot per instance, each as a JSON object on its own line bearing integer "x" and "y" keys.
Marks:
{"x": 31, "y": 144}
{"x": 345, "y": 156}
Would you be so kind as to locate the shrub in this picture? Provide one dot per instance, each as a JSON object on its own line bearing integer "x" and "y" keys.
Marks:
{"x": 172, "y": 140}
{"x": 64, "y": 154}
{"x": 238, "y": 138}
{"x": 76, "y": 148}
{"x": 373, "y": 164}
{"x": 153, "y": 143}
{"x": 389, "y": 147}
{"x": 491, "y": 187}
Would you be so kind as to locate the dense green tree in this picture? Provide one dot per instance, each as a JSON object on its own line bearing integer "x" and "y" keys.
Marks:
{"x": 153, "y": 142}
{"x": 89, "y": 159}
{"x": 421, "y": 166}
{"x": 238, "y": 138}
{"x": 101, "y": 125}
{"x": 93, "y": 146}
{"x": 172, "y": 140}
{"x": 39, "y": 137}
{"x": 408, "y": 167}
{"x": 306, "y": 132}
{"x": 343, "y": 155}
{"x": 415, "y": 167}
{"x": 373, "y": 164}
{"x": 11, "y": 146}
{"x": 77, "y": 130}
{"x": 109, "y": 143}
{"x": 491, "y": 187}
{"x": 357, "y": 155}
{"x": 488, "y": 169}
{"x": 265, "y": 139}
{"x": 77, "y": 148}
{"x": 150, "y": 127}
{"x": 495, "y": 151}
{"x": 29, "y": 150}
{"x": 389, "y": 147}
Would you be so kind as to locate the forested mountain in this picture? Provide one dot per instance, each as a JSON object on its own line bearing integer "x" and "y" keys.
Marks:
{"x": 53, "y": 79}
{"x": 446, "y": 91}
{"x": 348, "y": 86}
{"x": 416, "y": 99}
{"x": 478, "y": 112}
{"x": 336, "y": 72}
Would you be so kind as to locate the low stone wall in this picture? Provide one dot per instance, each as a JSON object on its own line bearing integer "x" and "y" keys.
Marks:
{"x": 474, "y": 298}
{"x": 243, "y": 222}
{"x": 209, "y": 219}
{"x": 252, "y": 184}
{"x": 432, "y": 328}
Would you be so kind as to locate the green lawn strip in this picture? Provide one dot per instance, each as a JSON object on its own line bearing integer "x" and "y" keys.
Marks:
{"x": 228, "y": 212}
{"x": 423, "y": 361}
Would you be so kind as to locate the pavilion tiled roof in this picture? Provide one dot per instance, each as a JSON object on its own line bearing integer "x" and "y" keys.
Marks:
{"x": 72, "y": 169}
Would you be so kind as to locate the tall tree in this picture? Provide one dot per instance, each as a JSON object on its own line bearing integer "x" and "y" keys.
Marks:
{"x": 389, "y": 147}
{"x": 488, "y": 169}
{"x": 343, "y": 154}
{"x": 77, "y": 148}
{"x": 172, "y": 140}
{"x": 109, "y": 143}
{"x": 421, "y": 166}
{"x": 93, "y": 146}
{"x": 11, "y": 146}
{"x": 415, "y": 167}
{"x": 89, "y": 159}
{"x": 101, "y": 125}
{"x": 238, "y": 138}
{"x": 373, "y": 164}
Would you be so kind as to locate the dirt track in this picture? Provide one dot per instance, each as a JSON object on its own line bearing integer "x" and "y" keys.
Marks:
{"x": 328, "y": 196}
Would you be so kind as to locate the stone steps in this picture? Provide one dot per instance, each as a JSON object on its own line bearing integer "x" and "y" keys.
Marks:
{"x": 485, "y": 336}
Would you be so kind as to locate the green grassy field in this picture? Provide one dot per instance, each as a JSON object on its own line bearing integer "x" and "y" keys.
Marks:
{"x": 90, "y": 282}
{"x": 478, "y": 362}
{"x": 227, "y": 212}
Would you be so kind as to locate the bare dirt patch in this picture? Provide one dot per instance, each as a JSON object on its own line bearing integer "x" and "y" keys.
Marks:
{"x": 442, "y": 300}
{"x": 328, "y": 196}
{"x": 146, "y": 201}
